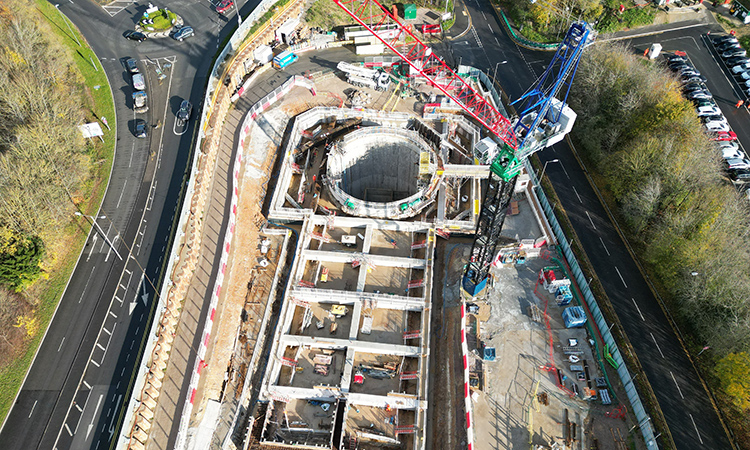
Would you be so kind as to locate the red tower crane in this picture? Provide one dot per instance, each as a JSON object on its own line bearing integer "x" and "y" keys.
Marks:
{"x": 374, "y": 17}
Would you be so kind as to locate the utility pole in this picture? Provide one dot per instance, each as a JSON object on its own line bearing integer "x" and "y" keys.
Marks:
{"x": 239, "y": 17}
{"x": 99, "y": 229}
{"x": 57, "y": 6}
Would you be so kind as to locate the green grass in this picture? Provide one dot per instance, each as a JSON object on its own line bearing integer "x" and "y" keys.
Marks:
{"x": 631, "y": 18}
{"x": 98, "y": 102}
{"x": 162, "y": 21}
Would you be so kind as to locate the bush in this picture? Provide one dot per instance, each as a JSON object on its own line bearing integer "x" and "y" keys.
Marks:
{"x": 20, "y": 262}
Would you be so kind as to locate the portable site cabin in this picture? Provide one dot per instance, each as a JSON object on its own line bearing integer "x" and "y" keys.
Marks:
{"x": 410, "y": 11}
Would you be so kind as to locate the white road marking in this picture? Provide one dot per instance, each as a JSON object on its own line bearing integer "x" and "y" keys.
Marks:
{"x": 91, "y": 425}
{"x": 101, "y": 346}
{"x": 485, "y": 17}
{"x": 122, "y": 192}
{"x": 696, "y": 428}
{"x": 123, "y": 371}
{"x": 95, "y": 363}
{"x": 68, "y": 428}
{"x": 638, "y": 309}
{"x": 32, "y": 408}
{"x": 605, "y": 247}
{"x": 107, "y": 331}
{"x": 678, "y": 386}
{"x": 592, "y": 222}
{"x": 61, "y": 344}
{"x": 87, "y": 281}
{"x": 579, "y": 197}
{"x": 659, "y": 348}
{"x": 112, "y": 422}
{"x": 496, "y": 41}
{"x": 621, "y": 278}
{"x": 93, "y": 244}
{"x": 113, "y": 314}
{"x": 86, "y": 384}
{"x": 131, "y": 345}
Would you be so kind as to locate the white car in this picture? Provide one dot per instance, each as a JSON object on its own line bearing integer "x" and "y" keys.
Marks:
{"x": 738, "y": 163}
{"x": 729, "y": 144}
{"x": 707, "y": 110}
{"x": 715, "y": 125}
{"x": 732, "y": 153}
{"x": 744, "y": 75}
{"x": 741, "y": 68}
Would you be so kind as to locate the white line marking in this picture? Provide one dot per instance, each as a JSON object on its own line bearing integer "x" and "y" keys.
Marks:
{"x": 498, "y": 42}
{"x": 621, "y": 278}
{"x": 107, "y": 331}
{"x": 93, "y": 245}
{"x": 605, "y": 247}
{"x": 696, "y": 428}
{"x": 89, "y": 279}
{"x": 61, "y": 344}
{"x": 123, "y": 371}
{"x": 122, "y": 192}
{"x": 101, "y": 346}
{"x": 131, "y": 345}
{"x": 658, "y": 348}
{"x": 86, "y": 384}
{"x": 91, "y": 425}
{"x": 78, "y": 407}
{"x": 678, "y": 386}
{"x": 638, "y": 309}
{"x": 68, "y": 428}
{"x": 579, "y": 197}
{"x": 95, "y": 363}
{"x": 592, "y": 222}
{"x": 113, "y": 314}
{"x": 32, "y": 408}
{"x": 485, "y": 17}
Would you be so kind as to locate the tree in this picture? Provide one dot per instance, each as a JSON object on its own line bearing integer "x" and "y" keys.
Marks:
{"x": 734, "y": 372}
{"x": 21, "y": 266}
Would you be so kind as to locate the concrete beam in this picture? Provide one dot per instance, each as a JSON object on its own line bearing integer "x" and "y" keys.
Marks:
{"x": 378, "y": 260}
{"x": 359, "y": 346}
{"x": 384, "y": 301}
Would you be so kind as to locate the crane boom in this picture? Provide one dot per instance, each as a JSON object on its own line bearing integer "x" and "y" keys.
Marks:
{"x": 421, "y": 58}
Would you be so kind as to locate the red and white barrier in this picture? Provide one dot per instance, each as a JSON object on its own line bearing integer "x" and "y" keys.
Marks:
{"x": 467, "y": 389}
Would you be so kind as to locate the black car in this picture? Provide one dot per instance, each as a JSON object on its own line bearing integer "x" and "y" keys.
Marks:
{"x": 740, "y": 175}
{"x": 735, "y": 60}
{"x": 694, "y": 87}
{"x": 185, "y": 110}
{"x": 734, "y": 53}
{"x": 132, "y": 65}
{"x": 140, "y": 129}
{"x": 687, "y": 78}
{"x": 677, "y": 65}
{"x": 135, "y": 36}
{"x": 727, "y": 46}
{"x": 691, "y": 72}
{"x": 675, "y": 58}
{"x": 723, "y": 39}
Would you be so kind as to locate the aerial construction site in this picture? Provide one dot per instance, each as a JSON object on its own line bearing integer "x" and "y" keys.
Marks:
{"x": 393, "y": 281}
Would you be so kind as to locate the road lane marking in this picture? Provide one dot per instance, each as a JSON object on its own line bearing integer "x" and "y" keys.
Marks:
{"x": 678, "y": 386}
{"x": 68, "y": 428}
{"x": 638, "y": 309}
{"x": 696, "y": 428}
{"x": 498, "y": 42}
{"x": 113, "y": 314}
{"x": 121, "y": 193}
{"x": 123, "y": 371}
{"x": 86, "y": 384}
{"x": 95, "y": 363}
{"x": 660, "y": 352}
{"x": 107, "y": 331}
{"x": 579, "y": 197}
{"x": 78, "y": 407}
{"x": 93, "y": 245}
{"x": 32, "y": 408}
{"x": 131, "y": 345}
{"x": 101, "y": 346}
{"x": 621, "y": 278}
{"x": 88, "y": 280}
{"x": 485, "y": 17}
{"x": 61, "y": 344}
{"x": 605, "y": 247}
{"x": 592, "y": 222}
{"x": 91, "y": 425}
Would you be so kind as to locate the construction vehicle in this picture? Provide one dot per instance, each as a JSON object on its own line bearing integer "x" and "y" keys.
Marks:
{"x": 542, "y": 120}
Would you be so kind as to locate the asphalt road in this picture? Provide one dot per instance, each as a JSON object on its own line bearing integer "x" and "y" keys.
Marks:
{"x": 693, "y": 422}
{"x": 80, "y": 381}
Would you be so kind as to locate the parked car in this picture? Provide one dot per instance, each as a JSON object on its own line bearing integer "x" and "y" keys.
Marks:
{"x": 732, "y": 153}
{"x": 738, "y": 68}
{"x": 728, "y": 46}
{"x": 723, "y": 136}
{"x": 700, "y": 94}
{"x": 729, "y": 145}
{"x": 733, "y": 61}
{"x": 688, "y": 78}
{"x": 739, "y": 175}
{"x": 736, "y": 163}
{"x": 716, "y": 125}
{"x": 674, "y": 58}
{"x": 725, "y": 38}
{"x": 132, "y": 65}
{"x": 744, "y": 75}
{"x": 141, "y": 128}
{"x": 741, "y": 52}
{"x": 675, "y": 65}
{"x": 135, "y": 36}
{"x": 690, "y": 87}
{"x": 183, "y": 33}
{"x": 690, "y": 72}
{"x": 138, "y": 82}
{"x": 707, "y": 110}
{"x": 185, "y": 110}
{"x": 224, "y": 6}
{"x": 706, "y": 102}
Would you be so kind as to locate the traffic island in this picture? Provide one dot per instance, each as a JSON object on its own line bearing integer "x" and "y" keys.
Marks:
{"x": 158, "y": 22}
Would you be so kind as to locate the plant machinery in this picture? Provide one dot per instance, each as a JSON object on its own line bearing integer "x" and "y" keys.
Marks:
{"x": 542, "y": 119}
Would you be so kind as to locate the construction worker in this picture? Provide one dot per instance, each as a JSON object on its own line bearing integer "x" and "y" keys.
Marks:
{"x": 739, "y": 103}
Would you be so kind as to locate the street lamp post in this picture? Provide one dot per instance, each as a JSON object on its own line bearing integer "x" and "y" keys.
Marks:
{"x": 545, "y": 167}
{"x": 239, "y": 17}
{"x": 57, "y": 6}
{"x": 495, "y": 74}
{"x": 98, "y": 228}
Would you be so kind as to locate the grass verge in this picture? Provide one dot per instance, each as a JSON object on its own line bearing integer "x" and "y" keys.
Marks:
{"x": 97, "y": 101}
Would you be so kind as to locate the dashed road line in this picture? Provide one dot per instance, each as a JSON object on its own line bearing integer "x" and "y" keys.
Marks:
{"x": 638, "y": 309}
{"x": 660, "y": 352}
{"x": 89, "y": 278}
{"x": 605, "y": 247}
{"x": 61, "y": 344}
{"x": 621, "y": 278}
{"x": 592, "y": 222}
{"x": 678, "y": 386}
{"x": 576, "y": 192}
{"x": 696, "y": 428}
{"x": 32, "y": 408}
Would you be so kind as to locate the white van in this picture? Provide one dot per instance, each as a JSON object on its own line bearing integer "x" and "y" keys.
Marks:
{"x": 138, "y": 82}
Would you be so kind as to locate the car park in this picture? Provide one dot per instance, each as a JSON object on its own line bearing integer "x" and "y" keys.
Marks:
{"x": 135, "y": 36}
{"x": 132, "y": 65}
{"x": 141, "y": 129}
{"x": 183, "y": 33}
{"x": 224, "y": 6}
{"x": 737, "y": 52}
{"x": 185, "y": 111}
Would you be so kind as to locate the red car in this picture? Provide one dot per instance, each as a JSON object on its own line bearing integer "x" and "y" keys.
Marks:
{"x": 724, "y": 136}
{"x": 224, "y": 6}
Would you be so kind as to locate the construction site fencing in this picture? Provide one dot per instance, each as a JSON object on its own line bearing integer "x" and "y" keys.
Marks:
{"x": 643, "y": 420}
